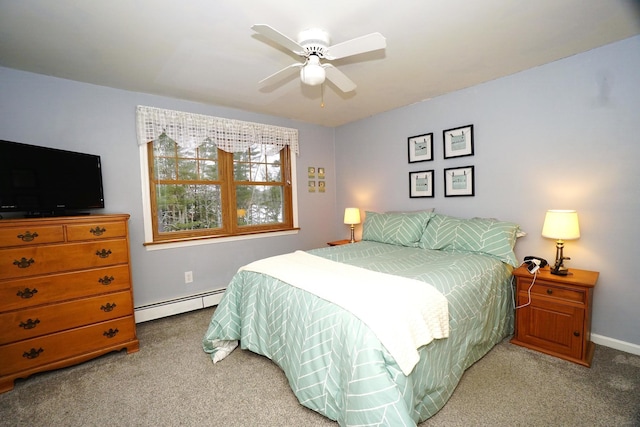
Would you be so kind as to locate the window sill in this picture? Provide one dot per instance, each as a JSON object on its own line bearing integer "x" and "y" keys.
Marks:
{"x": 198, "y": 241}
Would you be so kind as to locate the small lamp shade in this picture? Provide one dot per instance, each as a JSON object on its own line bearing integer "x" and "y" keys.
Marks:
{"x": 351, "y": 217}
{"x": 561, "y": 225}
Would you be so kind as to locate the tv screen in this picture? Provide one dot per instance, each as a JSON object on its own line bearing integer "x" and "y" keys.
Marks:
{"x": 41, "y": 181}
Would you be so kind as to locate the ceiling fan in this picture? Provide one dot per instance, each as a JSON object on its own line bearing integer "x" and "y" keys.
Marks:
{"x": 314, "y": 46}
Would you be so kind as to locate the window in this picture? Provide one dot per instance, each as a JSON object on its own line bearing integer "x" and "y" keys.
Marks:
{"x": 201, "y": 188}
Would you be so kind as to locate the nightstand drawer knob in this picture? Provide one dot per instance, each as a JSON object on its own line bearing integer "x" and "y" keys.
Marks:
{"x": 549, "y": 291}
{"x": 576, "y": 333}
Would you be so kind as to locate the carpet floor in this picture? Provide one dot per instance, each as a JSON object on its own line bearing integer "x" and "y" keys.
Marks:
{"x": 172, "y": 382}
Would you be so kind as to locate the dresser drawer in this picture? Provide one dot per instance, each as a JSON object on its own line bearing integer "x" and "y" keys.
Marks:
{"x": 38, "y": 321}
{"x": 97, "y": 230}
{"x": 24, "y": 236}
{"x": 24, "y": 293}
{"x": 36, "y": 352}
{"x": 555, "y": 291}
{"x": 31, "y": 261}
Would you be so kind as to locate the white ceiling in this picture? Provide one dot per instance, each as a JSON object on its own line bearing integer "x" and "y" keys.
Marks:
{"x": 205, "y": 50}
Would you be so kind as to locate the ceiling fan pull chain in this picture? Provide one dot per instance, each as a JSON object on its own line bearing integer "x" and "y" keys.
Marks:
{"x": 322, "y": 95}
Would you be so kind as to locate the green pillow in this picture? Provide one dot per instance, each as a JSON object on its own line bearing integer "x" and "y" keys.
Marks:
{"x": 404, "y": 229}
{"x": 484, "y": 235}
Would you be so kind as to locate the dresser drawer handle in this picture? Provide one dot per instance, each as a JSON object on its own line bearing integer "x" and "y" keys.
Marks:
{"x": 106, "y": 280}
{"x": 104, "y": 253}
{"x": 27, "y": 236}
{"x": 30, "y": 324}
{"x": 549, "y": 291}
{"x": 97, "y": 231}
{"x": 27, "y": 293}
{"x": 33, "y": 353}
{"x": 24, "y": 263}
{"x": 107, "y": 308}
{"x": 576, "y": 333}
{"x": 111, "y": 333}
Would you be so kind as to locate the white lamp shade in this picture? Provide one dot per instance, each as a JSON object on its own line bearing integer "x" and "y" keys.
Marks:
{"x": 312, "y": 73}
{"x": 352, "y": 216}
{"x": 561, "y": 225}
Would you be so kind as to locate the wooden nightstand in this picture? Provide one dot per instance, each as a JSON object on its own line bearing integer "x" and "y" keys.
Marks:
{"x": 558, "y": 319}
{"x": 339, "y": 242}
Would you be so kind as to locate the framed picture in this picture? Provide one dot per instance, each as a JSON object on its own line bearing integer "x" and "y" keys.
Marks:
{"x": 421, "y": 184}
{"x": 420, "y": 148}
{"x": 311, "y": 172}
{"x": 459, "y": 182}
{"x": 320, "y": 173}
{"x": 458, "y": 142}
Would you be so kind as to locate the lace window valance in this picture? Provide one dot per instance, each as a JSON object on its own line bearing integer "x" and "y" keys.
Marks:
{"x": 190, "y": 130}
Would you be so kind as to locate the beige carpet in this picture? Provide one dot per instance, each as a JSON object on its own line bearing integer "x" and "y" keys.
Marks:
{"x": 172, "y": 382}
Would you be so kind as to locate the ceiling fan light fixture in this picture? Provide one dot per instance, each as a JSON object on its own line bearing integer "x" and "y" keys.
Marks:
{"x": 313, "y": 73}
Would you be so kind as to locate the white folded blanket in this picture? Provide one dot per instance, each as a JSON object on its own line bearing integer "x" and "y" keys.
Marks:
{"x": 403, "y": 313}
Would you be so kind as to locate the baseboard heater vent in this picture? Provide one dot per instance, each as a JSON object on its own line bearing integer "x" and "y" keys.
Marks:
{"x": 179, "y": 305}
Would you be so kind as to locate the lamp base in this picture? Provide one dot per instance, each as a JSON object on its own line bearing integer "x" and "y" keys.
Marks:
{"x": 560, "y": 271}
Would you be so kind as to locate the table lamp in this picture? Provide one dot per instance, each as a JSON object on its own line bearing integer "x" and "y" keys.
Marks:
{"x": 561, "y": 225}
{"x": 352, "y": 217}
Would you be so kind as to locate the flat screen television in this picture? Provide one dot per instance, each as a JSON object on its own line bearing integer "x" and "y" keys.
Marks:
{"x": 41, "y": 181}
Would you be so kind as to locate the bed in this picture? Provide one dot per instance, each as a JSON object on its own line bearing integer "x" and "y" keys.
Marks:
{"x": 335, "y": 362}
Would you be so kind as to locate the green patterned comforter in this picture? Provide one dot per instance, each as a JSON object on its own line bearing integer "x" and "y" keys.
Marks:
{"x": 336, "y": 365}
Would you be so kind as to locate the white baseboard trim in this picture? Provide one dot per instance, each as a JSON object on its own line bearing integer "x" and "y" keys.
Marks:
{"x": 179, "y": 305}
{"x": 617, "y": 344}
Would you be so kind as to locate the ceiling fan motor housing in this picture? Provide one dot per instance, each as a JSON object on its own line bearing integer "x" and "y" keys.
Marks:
{"x": 314, "y": 41}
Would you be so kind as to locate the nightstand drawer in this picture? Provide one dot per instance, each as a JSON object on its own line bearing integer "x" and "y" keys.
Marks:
{"x": 554, "y": 291}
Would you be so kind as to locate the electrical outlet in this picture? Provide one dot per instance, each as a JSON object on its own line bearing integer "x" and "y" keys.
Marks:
{"x": 188, "y": 276}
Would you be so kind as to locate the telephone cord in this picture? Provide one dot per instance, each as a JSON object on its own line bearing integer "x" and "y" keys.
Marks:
{"x": 515, "y": 296}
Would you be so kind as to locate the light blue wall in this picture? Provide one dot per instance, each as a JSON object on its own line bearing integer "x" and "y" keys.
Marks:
{"x": 561, "y": 136}
{"x": 564, "y": 135}
{"x": 59, "y": 113}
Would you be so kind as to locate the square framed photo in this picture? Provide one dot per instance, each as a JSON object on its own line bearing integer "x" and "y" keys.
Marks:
{"x": 420, "y": 148}
{"x": 459, "y": 182}
{"x": 458, "y": 142}
{"x": 421, "y": 184}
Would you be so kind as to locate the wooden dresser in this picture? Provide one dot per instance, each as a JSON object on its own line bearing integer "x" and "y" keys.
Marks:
{"x": 65, "y": 293}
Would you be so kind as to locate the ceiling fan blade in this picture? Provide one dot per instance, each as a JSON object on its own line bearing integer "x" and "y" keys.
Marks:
{"x": 280, "y": 75}
{"x": 338, "y": 78}
{"x": 279, "y": 38}
{"x": 373, "y": 41}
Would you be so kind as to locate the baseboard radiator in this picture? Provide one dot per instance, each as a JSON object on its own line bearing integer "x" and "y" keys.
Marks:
{"x": 158, "y": 310}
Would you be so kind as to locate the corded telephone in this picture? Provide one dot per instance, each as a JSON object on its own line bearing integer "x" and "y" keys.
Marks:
{"x": 534, "y": 263}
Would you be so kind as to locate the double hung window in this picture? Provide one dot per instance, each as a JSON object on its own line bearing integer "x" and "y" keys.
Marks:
{"x": 216, "y": 177}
